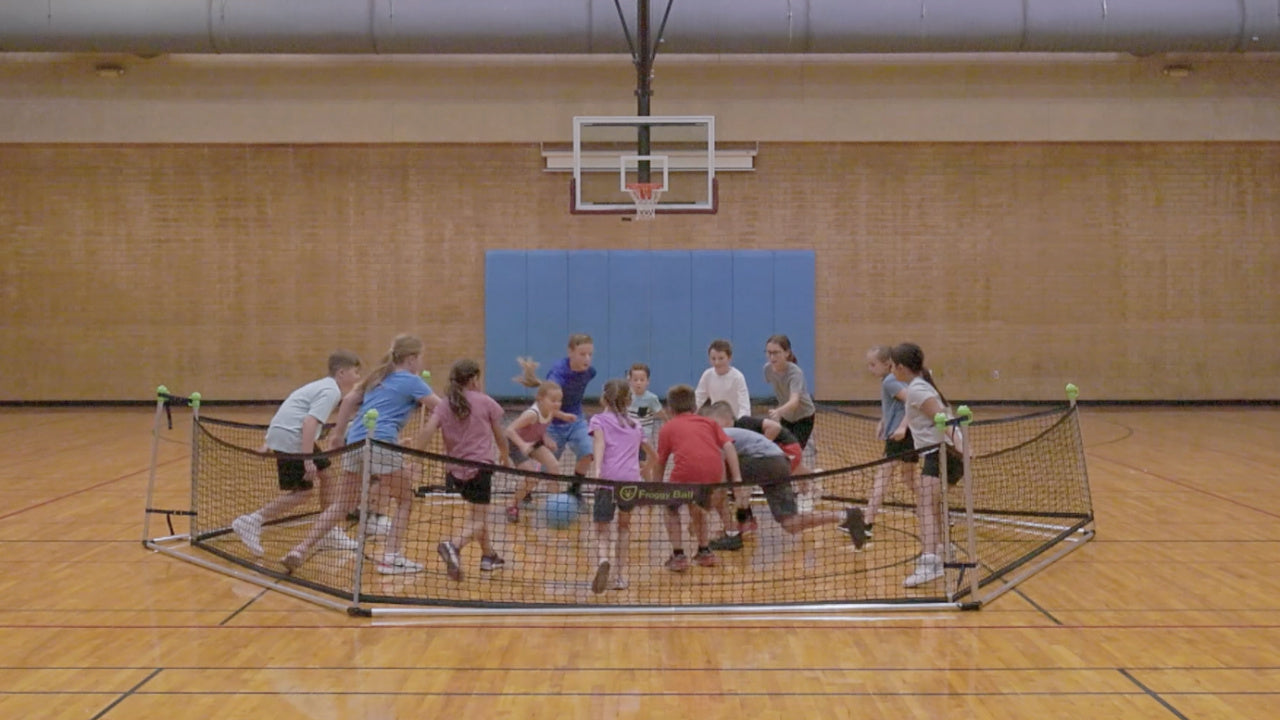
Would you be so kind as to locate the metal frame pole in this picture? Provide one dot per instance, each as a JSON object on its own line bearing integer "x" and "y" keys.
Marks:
{"x": 370, "y": 421}
{"x": 155, "y": 457}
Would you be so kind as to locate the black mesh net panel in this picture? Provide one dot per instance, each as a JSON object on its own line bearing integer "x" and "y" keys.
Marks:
{"x": 1030, "y": 489}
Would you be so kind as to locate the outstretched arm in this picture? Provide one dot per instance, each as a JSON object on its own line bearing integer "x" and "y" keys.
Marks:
{"x": 346, "y": 411}
{"x": 423, "y": 436}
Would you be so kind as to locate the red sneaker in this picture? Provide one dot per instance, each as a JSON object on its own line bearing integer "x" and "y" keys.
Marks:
{"x": 677, "y": 563}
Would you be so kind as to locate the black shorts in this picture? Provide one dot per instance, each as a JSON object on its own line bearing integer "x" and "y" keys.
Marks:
{"x": 292, "y": 472}
{"x": 904, "y": 447}
{"x": 801, "y": 428}
{"x": 955, "y": 467}
{"x": 604, "y": 507}
{"x": 477, "y": 490}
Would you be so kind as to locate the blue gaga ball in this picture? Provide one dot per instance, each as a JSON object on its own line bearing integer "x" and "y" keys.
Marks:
{"x": 561, "y": 510}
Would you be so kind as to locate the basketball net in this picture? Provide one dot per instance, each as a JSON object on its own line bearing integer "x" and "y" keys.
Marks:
{"x": 646, "y": 197}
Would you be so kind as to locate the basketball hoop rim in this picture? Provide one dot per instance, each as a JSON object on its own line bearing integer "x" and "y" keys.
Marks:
{"x": 646, "y": 191}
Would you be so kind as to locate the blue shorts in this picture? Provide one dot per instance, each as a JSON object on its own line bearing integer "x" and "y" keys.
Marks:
{"x": 574, "y": 436}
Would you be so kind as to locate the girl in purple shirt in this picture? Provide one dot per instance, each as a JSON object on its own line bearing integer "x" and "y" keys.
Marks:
{"x": 616, "y": 442}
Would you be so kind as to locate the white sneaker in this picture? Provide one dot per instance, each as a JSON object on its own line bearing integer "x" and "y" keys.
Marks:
{"x": 378, "y": 525}
{"x": 337, "y": 540}
{"x": 398, "y": 564}
{"x": 928, "y": 569}
{"x": 249, "y": 529}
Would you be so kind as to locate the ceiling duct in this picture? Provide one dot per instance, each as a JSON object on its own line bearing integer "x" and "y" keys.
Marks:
{"x": 148, "y": 27}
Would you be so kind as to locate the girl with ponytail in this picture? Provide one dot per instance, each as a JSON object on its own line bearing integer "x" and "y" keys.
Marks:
{"x": 471, "y": 425}
{"x": 394, "y": 388}
{"x": 924, "y": 401}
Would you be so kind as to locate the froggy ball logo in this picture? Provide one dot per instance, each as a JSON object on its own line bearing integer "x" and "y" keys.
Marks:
{"x": 654, "y": 494}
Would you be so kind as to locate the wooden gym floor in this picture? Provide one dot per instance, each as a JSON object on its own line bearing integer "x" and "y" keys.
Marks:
{"x": 1172, "y": 612}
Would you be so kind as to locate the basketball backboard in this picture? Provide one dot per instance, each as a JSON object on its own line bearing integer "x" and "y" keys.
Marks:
{"x": 677, "y": 153}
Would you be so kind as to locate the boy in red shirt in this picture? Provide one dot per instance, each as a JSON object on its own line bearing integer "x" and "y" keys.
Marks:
{"x": 701, "y": 449}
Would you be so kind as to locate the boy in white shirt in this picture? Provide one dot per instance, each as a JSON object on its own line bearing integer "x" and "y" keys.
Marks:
{"x": 722, "y": 381}
{"x": 293, "y": 431}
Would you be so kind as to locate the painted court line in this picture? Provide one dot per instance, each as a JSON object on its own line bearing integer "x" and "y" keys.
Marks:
{"x": 81, "y": 491}
{"x": 129, "y": 692}
{"x": 1187, "y": 486}
{"x": 1154, "y": 695}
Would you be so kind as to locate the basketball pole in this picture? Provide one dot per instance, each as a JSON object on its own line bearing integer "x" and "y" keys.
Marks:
{"x": 644, "y": 86}
{"x": 643, "y": 53}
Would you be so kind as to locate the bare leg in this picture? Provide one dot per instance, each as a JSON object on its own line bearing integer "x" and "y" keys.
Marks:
{"x": 884, "y": 474}
{"x": 281, "y": 506}
{"x": 623, "y": 543}
{"x": 720, "y": 502}
{"x": 604, "y": 540}
{"x": 526, "y": 485}
{"x": 671, "y": 518}
{"x": 398, "y": 487}
{"x": 475, "y": 527}
{"x": 698, "y": 518}
{"x": 928, "y": 512}
{"x": 803, "y": 521}
{"x": 346, "y": 496}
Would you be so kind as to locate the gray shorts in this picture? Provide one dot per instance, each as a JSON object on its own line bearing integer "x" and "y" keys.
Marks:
{"x": 774, "y": 474}
{"x": 517, "y": 457}
{"x": 383, "y": 462}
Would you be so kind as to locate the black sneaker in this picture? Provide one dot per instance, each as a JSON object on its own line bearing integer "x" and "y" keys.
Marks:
{"x": 727, "y": 542}
{"x": 855, "y": 526}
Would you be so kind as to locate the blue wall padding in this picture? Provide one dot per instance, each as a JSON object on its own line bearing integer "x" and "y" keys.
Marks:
{"x": 506, "y": 321}
{"x": 658, "y": 307}
{"x": 670, "y": 349}
{"x": 712, "y": 315}
{"x": 547, "y": 331}
{"x": 794, "y": 308}
{"x": 589, "y": 308}
{"x": 630, "y": 313}
{"x": 753, "y": 311}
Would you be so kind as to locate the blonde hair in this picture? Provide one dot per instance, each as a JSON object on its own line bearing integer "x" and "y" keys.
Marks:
{"x": 546, "y": 387}
{"x": 403, "y": 347}
{"x": 577, "y": 339}
{"x": 883, "y": 353}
